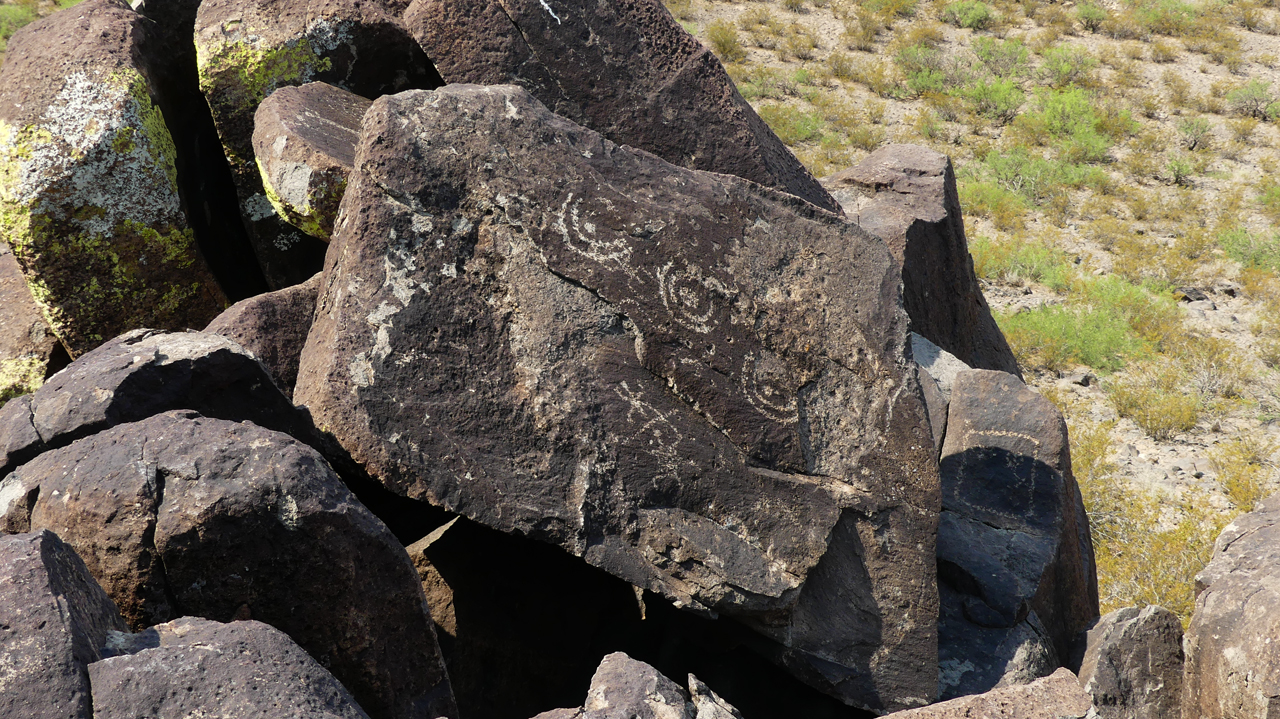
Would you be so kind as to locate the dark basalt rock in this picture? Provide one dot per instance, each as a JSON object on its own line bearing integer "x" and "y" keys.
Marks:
{"x": 305, "y": 141}
{"x": 695, "y": 383}
{"x": 193, "y": 667}
{"x": 273, "y": 327}
{"x": 140, "y": 374}
{"x": 1014, "y": 550}
{"x": 907, "y": 195}
{"x": 183, "y": 515}
{"x": 355, "y": 44}
{"x": 89, "y": 197}
{"x": 626, "y": 70}
{"x": 1233, "y": 658}
{"x": 54, "y": 621}
{"x": 1057, "y": 696}
{"x": 1132, "y": 664}
{"x": 28, "y": 349}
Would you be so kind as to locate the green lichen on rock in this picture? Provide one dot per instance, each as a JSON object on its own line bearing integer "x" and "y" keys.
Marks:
{"x": 19, "y": 376}
{"x": 315, "y": 215}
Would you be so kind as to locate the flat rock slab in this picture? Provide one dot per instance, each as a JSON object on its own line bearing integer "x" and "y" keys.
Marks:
{"x": 627, "y": 70}
{"x": 305, "y": 141}
{"x": 26, "y": 343}
{"x": 1133, "y": 664}
{"x": 273, "y": 327}
{"x": 1233, "y": 659}
{"x": 695, "y": 383}
{"x": 183, "y": 515}
{"x": 140, "y": 374}
{"x": 906, "y": 194}
{"x": 358, "y": 45}
{"x": 54, "y": 621}
{"x": 89, "y": 199}
{"x": 1057, "y": 696}
{"x": 193, "y": 667}
{"x": 1014, "y": 538}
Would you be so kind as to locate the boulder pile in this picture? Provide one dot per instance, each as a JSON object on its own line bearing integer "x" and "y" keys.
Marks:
{"x": 535, "y": 375}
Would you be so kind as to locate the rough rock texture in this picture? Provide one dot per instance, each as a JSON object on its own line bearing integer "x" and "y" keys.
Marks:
{"x": 1015, "y": 559}
{"x": 137, "y": 375}
{"x": 1057, "y": 696}
{"x": 305, "y": 141}
{"x": 193, "y": 667}
{"x": 273, "y": 327}
{"x": 89, "y": 198}
{"x": 695, "y": 383}
{"x": 183, "y": 515}
{"x": 246, "y": 49}
{"x": 1233, "y": 658}
{"x": 26, "y": 344}
{"x": 54, "y": 621}
{"x": 906, "y": 194}
{"x": 940, "y": 364}
{"x": 1132, "y": 664}
{"x": 624, "y": 688}
{"x": 626, "y": 70}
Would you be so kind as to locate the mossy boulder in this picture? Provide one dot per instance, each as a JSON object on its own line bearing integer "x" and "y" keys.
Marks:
{"x": 245, "y": 50}
{"x": 89, "y": 200}
{"x": 26, "y": 344}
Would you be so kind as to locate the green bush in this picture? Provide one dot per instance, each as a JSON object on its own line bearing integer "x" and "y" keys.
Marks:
{"x": 971, "y": 14}
{"x": 987, "y": 199}
{"x": 792, "y": 125}
{"x": 1066, "y": 65}
{"x": 1091, "y": 16}
{"x": 1151, "y": 395}
{"x": 12, "y": 19}
{"x": 1018, "y": 260}
{"x": 1037, "y": 178}
{"x": 997, "y": 99}
{"x": 1003, "y": 58}
{"x": 1252, "y": 99}
{"x": 1055, "y": 337}
{"x": 1070, "y": 118}
{"x": 724, "y": 41}
{"x": 1253, "y": 251}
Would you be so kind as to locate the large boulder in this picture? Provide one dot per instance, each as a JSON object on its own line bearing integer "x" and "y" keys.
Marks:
{"x": 1057, "y": 696}
{"x": 246, "y": 49}
{"x": 906, "y": 194}
{"x": 183, "y": 515}
{"x": 273, "y": 328}
{"x": 140, "y": 374}
{"x": 1015, "y": 558}
{"x": 1232, "y": 656}
{"x": 89, "y": 199}
{"x": 624, "y": 688}
{"x": 26, "y": 344}
{"x": 627, "y": 70}
{"x": 193, "y": 667}
{"x": 54, "y": 621}
{"x": 1132, "y": 664}
{"x": 305, "y": 141}
{"x": 695, "y": 383}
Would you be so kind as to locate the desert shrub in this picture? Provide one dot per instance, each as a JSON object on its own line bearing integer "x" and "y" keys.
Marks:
{"x": 841, "y": 66}
{"x": 928, "y": 125}
{"x": 760, "y": 81}
{"x": 1269, "y": 197}
{"x": 1214, "y": 369}
{"x": 1255, "y": 251}
{"x": 828, "y": 156}
{"x": 1242, "y": 129}
{"x": 1244, "y": 467}
{"x": 792, "y": 125}
{"x": 1165, "y": 17}
{"x": 1195, "y": 133}
{"x": 878, "y": 76}
{"x": 1252, "y": 99}
{"x": 1017, "y": 260}
{"x": 1152, "y": 315}
{"x": 1037, "y": 178}
{"x": 1067, "y": 65}
{"x": 867, "y": 137}
{"x": 799, "y": 43}
{"x": 1179, "y": 170}
{"x": 12, "y": 19}
{"x": 1151, "y": 394}
{"x": 1005, "y": 209}
{"x": 1163, "y": 51}
{"x": 1069, "y": 119}
{"x": 861, "y": 31}
{"x": 971, "y": 14}
{"x": 1003, "y": 58}
{"x": 1055, "y": 337}
{"x": 794, "y": 5}
{"x": 724, "y": 41}
{"x": 995, "y": 99}
{"x": 1091, "y": 16}
{"x": 892, "y": 8}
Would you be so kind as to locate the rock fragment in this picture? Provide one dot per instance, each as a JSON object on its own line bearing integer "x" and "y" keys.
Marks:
{"x": 89, "y": 199}
{"x": 304, "y": 139}
{"x": 695, "y": 383}
{"x": 246, "y": 49}
{"x": 1057, "y": 696}
{"x": 193, "y": 667}
{"x": 1133, "y": 662}
{"x": 26, "y": 344}
{"x": 1014, "y": 550}
{"x": 906, "y": 194}
{"x": 624, "y": 688}
{"x": 273, "y": 327}
{"x": 54, "y": 621}
{"x": 183, "y": 515}
{"x": 641, "y": 80}
{"x": 1232, "y": 657}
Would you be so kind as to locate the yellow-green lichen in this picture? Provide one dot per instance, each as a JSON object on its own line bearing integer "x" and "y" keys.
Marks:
{"x": 159, "y": 140}
{"x": 249, "y": 74}
{"x": 315, "y": 216}
{"x": 20, "y": 376}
